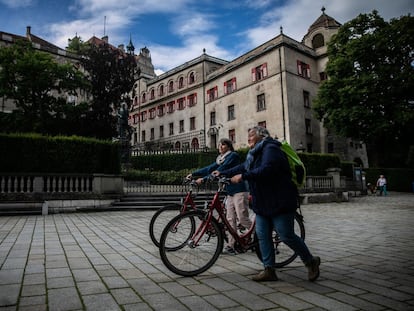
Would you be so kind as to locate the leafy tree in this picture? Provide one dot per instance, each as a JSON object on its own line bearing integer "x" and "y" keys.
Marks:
{"x": 38, "y": 86}
{"x": 370, "y": 91}
{"x": 111, "y": 73}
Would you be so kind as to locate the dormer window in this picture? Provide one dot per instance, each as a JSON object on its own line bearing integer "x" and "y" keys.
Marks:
{"x": 318, "y": 41}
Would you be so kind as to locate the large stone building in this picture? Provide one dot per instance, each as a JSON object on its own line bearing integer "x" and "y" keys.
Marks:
{"x": 205, "y": 99}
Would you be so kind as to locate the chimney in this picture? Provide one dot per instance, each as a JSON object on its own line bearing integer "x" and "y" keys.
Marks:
{"x": 28, "y": 33}
{"x": 105, "y": 39}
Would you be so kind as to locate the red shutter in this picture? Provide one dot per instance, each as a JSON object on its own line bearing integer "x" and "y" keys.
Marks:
{"x": 195, "y": 98}
{"x": 215, "y": 92}
{"x": 225, "y": 88}
{"x": 299, "y": 64}
{"x": 308, "y": 71}
{"x": 253, "y": 74}
{"x": 264, "y": 67}
{"x": 234, "y": 84}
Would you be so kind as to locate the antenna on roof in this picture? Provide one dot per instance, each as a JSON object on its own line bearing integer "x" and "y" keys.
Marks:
{"x": 104, "y": 25}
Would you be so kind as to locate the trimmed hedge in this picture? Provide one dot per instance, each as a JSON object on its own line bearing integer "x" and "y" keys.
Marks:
{"x": 34, "y": 153}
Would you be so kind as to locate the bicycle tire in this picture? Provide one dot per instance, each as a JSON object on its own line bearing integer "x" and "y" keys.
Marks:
{"x": 284, "y": 255}
{"x": 178, "y": 253}
{"x": 160, "y": 218}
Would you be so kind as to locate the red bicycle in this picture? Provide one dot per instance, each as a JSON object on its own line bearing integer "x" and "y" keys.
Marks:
{"x": 192, "y": 241}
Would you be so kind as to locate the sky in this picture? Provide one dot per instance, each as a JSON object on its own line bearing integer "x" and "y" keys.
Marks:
{"x": 177, "y": 31}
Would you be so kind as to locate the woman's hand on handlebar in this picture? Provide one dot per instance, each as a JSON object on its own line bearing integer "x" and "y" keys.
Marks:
{"x": 215, "y": 173}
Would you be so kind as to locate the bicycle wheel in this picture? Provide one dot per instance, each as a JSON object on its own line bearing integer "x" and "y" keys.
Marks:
{"x": 160, "y": 219}
{"x": 190, "y": 256}
{"x": 284, "y": 255}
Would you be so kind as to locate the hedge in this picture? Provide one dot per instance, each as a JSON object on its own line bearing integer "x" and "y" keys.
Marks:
{"x": 34, "y": 153}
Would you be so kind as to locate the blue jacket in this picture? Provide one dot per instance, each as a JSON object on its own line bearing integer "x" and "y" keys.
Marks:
{"x": 230, "y": 160}
{"x": 267, "y": 171}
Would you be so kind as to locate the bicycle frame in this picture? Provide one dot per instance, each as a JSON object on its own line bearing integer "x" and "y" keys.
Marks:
{"x": 244, "y": 240}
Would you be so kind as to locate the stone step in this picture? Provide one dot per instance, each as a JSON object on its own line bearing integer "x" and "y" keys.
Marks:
{"x": 21, "y": 208}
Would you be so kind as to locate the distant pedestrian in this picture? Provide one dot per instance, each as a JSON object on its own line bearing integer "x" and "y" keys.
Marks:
{"x": 382, "y": 185}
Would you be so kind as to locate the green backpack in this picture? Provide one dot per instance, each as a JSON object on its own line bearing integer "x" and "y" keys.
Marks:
{"x": 297, "y": 168}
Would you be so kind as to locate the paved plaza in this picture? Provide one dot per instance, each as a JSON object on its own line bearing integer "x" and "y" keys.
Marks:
{"x": 106, "y": 261}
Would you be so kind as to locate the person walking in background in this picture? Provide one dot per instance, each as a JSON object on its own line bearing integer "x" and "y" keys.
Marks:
{"x": 274, "y": 200}
{"x": 237, "y": 204}
{"x": 382, "y": 185}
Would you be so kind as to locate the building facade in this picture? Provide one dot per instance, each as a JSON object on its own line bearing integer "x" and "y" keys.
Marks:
{"x": 194, "y": 105}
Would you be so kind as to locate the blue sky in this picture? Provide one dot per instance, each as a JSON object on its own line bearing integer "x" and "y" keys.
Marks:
{"x": 177, "y": 31}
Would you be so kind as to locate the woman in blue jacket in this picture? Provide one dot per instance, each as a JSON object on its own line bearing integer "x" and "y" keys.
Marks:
{"x": 274, "y": 200}
{"x": 237, "y": 204}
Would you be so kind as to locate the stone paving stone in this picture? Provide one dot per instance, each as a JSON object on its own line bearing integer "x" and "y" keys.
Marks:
{"x": 13, "y": 276}
{"x": 81, "y": 275}
{"x": 115, "y": 282}
{"x": 201, "y": 289}
{"x": 100, "y": 302}
{"x": 196, "y": 303}
{"x": 32, "y": 300}
{"x": 220, "y": 301}
{"x": 66, "y": 298}
{"x": 145, "y": 286}
{"x": 60, "y": 282}
{"x": 219, "y": 284}
{"x": 33, "y": 290}
{"x": 175, "y": 289}
{"x": 58, "y": 272}
{"x": 249, "y": 300}
{"x": 359, "y": 303}
{"x": 287, "y": 301}
{"x": 91, "y": 287}
{"x": 9, "y": 294}
{"x": 33, "y": 308}
{"x": 389, "y": 303}
{"x": 32, "y": 279}
{"x": 137, "y": 306}
{"x": 125, "y": 296}
{"x": 323, "y": 301}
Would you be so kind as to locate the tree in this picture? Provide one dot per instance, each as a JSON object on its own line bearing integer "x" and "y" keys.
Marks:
{"x": 111, "y": 73}
{"x": 369, "y": 94}
{"x": 38, "y": 85}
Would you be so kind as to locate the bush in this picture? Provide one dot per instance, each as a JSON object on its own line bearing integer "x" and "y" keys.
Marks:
{"x": 398, "y": 179}
{"x": 34, "y": 153}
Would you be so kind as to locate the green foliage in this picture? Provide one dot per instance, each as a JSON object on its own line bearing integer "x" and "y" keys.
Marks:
{"x": 111, "y": 75}
{"x": 370, "y": 88}
{"x": 347, "y": 169}
{"x": 158, "y": 177}
{"x": 38, "y": 86}
{"x": 45, "y": 154}
{"x": 317, "y": 163}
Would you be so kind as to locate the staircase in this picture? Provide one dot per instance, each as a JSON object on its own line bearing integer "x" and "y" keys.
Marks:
{"x": 21, "y": 208}
{"x": 154, "y": 201}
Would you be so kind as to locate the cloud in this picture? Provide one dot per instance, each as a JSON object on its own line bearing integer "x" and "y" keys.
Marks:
{"x": 14, "y": 4}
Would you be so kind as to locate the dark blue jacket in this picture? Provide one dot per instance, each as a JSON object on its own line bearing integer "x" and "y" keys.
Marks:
{"x": 269, "y": 178}
{"x": 231, "y": 160}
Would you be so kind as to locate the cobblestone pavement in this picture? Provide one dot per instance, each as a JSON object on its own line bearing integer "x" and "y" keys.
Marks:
{"x": 106, "y": 261}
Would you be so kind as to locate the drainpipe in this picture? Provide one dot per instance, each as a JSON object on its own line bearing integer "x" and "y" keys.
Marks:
{"x": 282, "y": 94}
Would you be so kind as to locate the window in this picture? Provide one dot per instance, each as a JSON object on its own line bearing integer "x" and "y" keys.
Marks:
{"x": 212, "y": 94}
{"x": 330, "y": 148}
{"x": 230, "y": 86}
{"x": 259, "y": 72}
{"x": 191, "y": 78}
{"x": 161, "y": 90}
{"x": 230, "y": 113}
{"x": 323, "y": 76}
{"x": 136, "y": 118}
{"x": 152, "y": 134}
{"x": 212, "y": 118}
{"x": 262, "y": 124}
{"x": 161, "y": 131}
{"x": 152, "y": 113}
{"x": 192, "y": 124}
{"x": 181, "y": 126}
{"x": 143, "y": 136}
{"x": 152, "y": 94}
{"x": 161, "y": 110}
{"x": 181, "y": 103}
{"x": 261, "y": 103}
{"x": 192, "y": 100}
{"x": 308, "y": 126}
{"x": 143, "y": 116}
{"x": 232, "y": 135}
{"x": 170, "y": 107}
{"x": 181, "y": 82}
{"x": 306, "y": 101}
{"x": 144, "y": 97}
{"x": 171, "y": 125}
{"x": 303, "y": 69}
{"x": 318, "y": 41}
{"x": 171, "y": 87}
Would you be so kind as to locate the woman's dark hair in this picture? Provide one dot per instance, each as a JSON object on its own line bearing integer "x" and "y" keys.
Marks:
{"x": 227, "y": 142}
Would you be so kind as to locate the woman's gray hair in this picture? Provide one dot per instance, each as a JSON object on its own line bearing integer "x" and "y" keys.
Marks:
{"x": 260, "y": 131}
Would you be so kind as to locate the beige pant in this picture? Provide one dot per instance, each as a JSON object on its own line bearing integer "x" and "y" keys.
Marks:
{"x": 237, "y": 211}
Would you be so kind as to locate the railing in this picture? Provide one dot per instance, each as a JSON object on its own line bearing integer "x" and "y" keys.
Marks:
{"x": 60, "y": 183}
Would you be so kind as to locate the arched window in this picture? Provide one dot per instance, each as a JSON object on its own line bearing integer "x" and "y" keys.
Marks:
{"x": 171, "y": 86}
{"x": 144, "y": 97}
{"x": 318, "y": 41}
{"x": 181, "y": 82}
{"x": 177, "y": 145}
{"x": 191, "y": 78}
{"x": 195, "y": 144}
{"x": 161, "y": 90}
{"x": 152, "y": 94}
